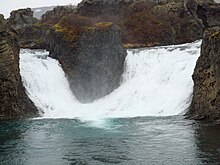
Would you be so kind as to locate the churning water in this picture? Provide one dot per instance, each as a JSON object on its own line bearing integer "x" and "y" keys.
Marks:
{"x": 139, "y": 123}
{"x": 156, "y": 82}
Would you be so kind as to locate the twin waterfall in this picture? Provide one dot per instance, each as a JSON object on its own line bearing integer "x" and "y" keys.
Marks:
{"x": 156, "y": 82}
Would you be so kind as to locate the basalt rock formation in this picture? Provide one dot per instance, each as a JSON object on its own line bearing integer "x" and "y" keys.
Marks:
{"x": 143, "y": 23}
{"x": 33, "y": 37}
{"x": 14, "y": 103}
{"x": 92, "y": 57}
{"x": 22, "y": 18}
{"x": 152, "y": 23}
{"x": 206, "y": 95}
{"x": 31, "y": 34}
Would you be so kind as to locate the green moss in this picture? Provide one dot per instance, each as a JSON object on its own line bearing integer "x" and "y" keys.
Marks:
{"x": 58, "y": 28}
{"x": 38, "y": 24}
{"x": 69, "y": 34}
{"x": 215, "y": 34}
{"x": 103, "y": 24}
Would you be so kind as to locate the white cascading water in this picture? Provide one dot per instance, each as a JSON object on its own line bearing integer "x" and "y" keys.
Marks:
{"x": 156, "y": 82}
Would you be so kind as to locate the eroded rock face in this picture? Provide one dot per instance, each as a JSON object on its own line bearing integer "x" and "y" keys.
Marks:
{"x": 152, "y": 23}
{"x": 22, "y": 18}
{"x": 31, "y": 34}
{"x": 206, "y": 10}
{"x": 113, "y": 7}
{"x": 33, "y": 37}
{"x": 14, "y": 103}
{"x": 59, "y": 12}
{"x": 94, "y": 63}
{"x": 206, "y": 95}
{"x": 212, "y": 13}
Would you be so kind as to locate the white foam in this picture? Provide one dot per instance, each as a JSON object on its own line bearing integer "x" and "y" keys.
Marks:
{"x": 156, "y": 82}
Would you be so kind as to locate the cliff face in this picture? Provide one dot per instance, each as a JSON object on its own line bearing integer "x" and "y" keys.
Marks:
{"x": 143, "y": 23}
{"x": 207, "y": 11}
{"x": 93, "y": 62}
{"x": 213, "y": 14}
{"x": 113, "y": 7}
{"x": 206, "y": 95}
{"x": 14, "y": 103}
{"x": 152, "y": 23}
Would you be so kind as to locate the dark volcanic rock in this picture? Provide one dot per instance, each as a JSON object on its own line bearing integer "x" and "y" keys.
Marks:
{"x": 206, "y": 95}
{"x": 152, "y": 23}
{"x": 22, "y": 18}
{"x": 33, "y": 37}
{"x": 206, "y": 10}
{"x": 14, "y": 103}
{"x": 212, "y": 13}
{"x": 102, "y": 7}
{"x": 31, "y": 33}
{"x": 182, "y": 21}
{"x": 58, "y": 11}
{"x": 93, "y": 63}
{"x": 111, "y": 7}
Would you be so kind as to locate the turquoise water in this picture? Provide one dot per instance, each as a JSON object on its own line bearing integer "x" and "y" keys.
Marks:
{"x": 146, "y": 140}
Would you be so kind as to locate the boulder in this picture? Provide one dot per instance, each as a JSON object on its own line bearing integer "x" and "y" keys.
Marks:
{"x": 14, "y": 103}
{"x": 93, "y": 61}
{"x": 206, "y": 94}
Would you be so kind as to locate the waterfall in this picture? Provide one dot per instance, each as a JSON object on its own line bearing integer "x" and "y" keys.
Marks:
{"x": 156, "y": 82}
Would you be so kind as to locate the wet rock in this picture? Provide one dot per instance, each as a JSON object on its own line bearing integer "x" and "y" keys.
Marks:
{"x": 93, "y": 61}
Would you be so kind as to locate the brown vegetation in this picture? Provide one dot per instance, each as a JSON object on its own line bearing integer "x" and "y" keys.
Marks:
{"x": 141, "y": 24}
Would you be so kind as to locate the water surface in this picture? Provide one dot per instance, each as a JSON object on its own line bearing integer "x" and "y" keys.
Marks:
{"x": 141, "y": 140}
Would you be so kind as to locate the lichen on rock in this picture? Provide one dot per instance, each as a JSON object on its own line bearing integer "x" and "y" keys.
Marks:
{"x": 206, "y": 95}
